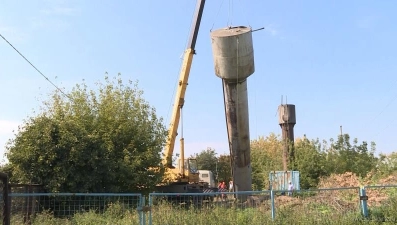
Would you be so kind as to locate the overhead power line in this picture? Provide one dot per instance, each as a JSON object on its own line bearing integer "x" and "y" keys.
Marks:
{"x": 380, "y": 113}
{"x": 36, "y": 68}
{"x": 384, "y": 108}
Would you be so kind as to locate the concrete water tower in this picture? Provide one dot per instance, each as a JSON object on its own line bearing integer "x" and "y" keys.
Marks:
{"x": 233, "y": 55}
{"x": 287, "y": 121}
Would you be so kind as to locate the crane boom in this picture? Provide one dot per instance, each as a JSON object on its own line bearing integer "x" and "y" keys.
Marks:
{"x": 182, "y": 84}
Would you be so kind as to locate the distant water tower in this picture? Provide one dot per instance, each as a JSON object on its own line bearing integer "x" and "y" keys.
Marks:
{"x": 287, "y": 121}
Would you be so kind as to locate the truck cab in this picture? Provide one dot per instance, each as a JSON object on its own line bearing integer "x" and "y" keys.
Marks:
{"x": 207, "y": 176}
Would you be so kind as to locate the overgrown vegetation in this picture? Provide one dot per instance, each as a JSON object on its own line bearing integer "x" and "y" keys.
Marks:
{"x": 312, "y": 158}
{"x": 91, "y": 141}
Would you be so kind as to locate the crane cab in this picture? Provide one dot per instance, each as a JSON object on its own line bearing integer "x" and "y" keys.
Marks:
{"x": 189, "y": 172}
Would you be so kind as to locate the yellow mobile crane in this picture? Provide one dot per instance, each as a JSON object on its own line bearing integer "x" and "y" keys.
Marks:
{"x": 185, "y": 178}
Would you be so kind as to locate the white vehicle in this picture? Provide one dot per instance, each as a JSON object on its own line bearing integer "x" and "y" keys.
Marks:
{"x": 208, "y": 177}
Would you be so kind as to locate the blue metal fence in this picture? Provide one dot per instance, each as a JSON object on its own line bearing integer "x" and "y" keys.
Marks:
{"x": 316, "y": 206}
{"x": 255, "y": 207}
{"x": 75, "y": 208}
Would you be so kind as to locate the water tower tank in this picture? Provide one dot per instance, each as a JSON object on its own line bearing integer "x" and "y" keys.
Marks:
{"x": 286, "y": 114}
{"x": 233, "y": 52}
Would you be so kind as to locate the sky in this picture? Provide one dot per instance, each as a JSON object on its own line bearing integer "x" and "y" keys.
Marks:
{"x": 334, "y": 60}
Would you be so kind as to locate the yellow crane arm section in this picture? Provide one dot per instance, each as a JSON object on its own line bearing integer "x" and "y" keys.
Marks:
{"x": 180, "y": 95}
{"x": 178, "y": 104}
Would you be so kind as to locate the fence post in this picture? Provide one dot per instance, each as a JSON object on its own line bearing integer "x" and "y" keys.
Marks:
{"x": 273, "y": 207}
{"x": 150, "y": 212}
{"x": 363, "y": 202}
{"x": 6, "y": 199}
{"x": 143, "y": 213}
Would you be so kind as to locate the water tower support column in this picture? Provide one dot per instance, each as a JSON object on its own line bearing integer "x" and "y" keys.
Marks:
{"x": 234, "y": 62}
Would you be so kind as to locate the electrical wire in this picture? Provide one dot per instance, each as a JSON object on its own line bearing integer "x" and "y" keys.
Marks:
{"x": 380, "y": 113}
{"x": 387, "y": 105}
{"x": 384, "y": 128}
{"x": 60, "y": 90}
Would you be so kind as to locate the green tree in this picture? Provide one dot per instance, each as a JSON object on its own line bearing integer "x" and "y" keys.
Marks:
{"x": 206, "y": 159}
{"x": 266, "y": 156}
{"x": 223, "y": 172}
{"x": 387, "y": 164}
{"x": 310, "y": 162}
{"x": 102, "y": 141}
{"x": 220, "y": 166}
{"x": 344, "y": 156}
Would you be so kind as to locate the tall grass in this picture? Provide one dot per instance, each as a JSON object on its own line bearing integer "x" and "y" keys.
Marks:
{"x": 115, "y": 214}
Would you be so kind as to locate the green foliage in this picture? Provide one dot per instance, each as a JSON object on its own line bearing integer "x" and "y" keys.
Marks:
{"x": 220, "y": 166}
{"x": 116, "y": 214}
{"x": 101, "y": 141}
{"x": 206, "y": 159}
{"x": 343, "y": 156}
{"x": 310, "y": 162}
{"x": 386, "y": 212}
{"x": 314, "y": 159}
{"x": 224, "y": 169}
{"x": 266, "y": 156}
{"x": 387, "y": 164}
{"x": 7, "y": 169}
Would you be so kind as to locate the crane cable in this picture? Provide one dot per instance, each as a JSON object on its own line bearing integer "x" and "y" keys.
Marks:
{"x": 216, "y": 15}
{"x": 230, "y": 14}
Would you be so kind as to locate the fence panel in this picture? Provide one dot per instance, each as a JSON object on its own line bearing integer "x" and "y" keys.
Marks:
{"x": 210, "y": 208}
{"x": 318, "y": 206}
{"x": 265, "y": 207}
{"x": 382, "y": 203}
{"x": 72, "y": 208}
